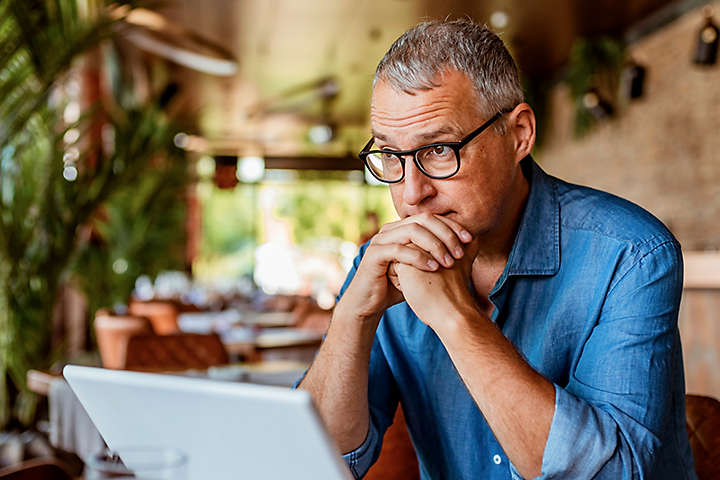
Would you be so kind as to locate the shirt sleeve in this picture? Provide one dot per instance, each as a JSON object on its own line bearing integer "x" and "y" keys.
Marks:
{"x": 382, "y": 397}
{"x": 619, "y": 405}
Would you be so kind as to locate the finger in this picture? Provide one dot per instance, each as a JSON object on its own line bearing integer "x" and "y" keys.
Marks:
{"x": 389, "y": 225}
{"x": 385, "y": 255}
{"x": 395, "y": 283}
{"x": 418, "y": 235}
{"x": 392, "y": 276}
{"x": 459, "y": 230}
{"x": 391, "y": 269}
{"x": 448, "y": 231}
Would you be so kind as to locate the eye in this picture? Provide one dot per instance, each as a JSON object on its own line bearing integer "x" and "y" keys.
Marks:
{"x": 440, "y": 151}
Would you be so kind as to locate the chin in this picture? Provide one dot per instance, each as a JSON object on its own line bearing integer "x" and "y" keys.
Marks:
{"x": 472, "y": 224}
{"x": 459, "y": 219}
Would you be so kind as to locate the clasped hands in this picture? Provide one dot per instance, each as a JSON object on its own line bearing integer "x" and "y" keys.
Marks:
{"x": 424, "y": 259}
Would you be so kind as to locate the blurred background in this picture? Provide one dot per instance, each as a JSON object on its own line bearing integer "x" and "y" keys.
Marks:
{"x": 193, "y": 164}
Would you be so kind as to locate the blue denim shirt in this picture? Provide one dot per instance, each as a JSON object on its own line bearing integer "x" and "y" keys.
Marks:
{"x": 589, "y": 296}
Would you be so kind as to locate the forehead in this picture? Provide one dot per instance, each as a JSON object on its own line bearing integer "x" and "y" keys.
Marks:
{"x": 450, "y": 104}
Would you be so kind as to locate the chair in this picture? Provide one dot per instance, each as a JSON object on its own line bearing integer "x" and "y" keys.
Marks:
{"x": 163, "y": 315}
{"x": 703, "y": 425}
{"x": 397, "y": 458}
{"x": 37, "y": 469}
{"x": 179, "y": 351}
{"x": 113, "y": 332}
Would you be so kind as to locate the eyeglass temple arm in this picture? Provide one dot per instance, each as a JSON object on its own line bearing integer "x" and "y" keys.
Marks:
{"x": 480, "y": 129}
{"x": 368, "y": 145}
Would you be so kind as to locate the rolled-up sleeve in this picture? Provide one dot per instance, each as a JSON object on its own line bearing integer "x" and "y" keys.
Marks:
{"x": 360, "y": 459}
{"x": 383, "y": 401}
{"x": 619, "y": 406}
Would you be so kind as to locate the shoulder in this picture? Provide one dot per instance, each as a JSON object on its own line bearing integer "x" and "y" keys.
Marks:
{"x": 610, "y": 218}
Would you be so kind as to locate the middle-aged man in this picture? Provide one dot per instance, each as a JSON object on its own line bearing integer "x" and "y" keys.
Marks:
{"x": 528, "y": 326}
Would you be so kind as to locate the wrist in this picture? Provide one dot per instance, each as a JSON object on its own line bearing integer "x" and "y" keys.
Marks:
{"x": 349, "y": 317}
{"x": 457, "y": 320}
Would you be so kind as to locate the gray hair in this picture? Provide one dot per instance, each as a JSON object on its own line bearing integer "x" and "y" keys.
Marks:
{"x": 426, "y": 51}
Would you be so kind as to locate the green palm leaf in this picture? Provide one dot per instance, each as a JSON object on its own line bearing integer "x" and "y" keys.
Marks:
{"x": 40, "y": 212}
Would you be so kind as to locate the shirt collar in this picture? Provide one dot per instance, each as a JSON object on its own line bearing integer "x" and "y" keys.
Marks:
{"x": 536, "y": 250}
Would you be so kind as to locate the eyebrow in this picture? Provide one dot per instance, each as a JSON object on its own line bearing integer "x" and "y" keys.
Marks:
{"x": 426, "y": 136}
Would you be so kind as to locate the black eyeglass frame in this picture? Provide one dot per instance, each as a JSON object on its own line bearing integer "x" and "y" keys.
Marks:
{"x": 455, "y": 146}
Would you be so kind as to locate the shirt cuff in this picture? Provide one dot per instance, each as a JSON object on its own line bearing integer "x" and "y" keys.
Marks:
{"x": 586, "y": 441}
{"x": 568, "y": 446}
{"x": 360, "y": 459}
{"x": 514, "y": 474}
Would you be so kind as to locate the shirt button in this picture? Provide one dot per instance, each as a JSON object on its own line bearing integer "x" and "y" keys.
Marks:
{"x": 497, "y": 459}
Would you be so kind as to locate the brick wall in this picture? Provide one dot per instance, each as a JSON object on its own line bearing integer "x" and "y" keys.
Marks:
{"x": 663, "y": 150}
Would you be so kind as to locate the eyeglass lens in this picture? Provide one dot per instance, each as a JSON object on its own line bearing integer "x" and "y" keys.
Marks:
{"x": 436, "y": 161}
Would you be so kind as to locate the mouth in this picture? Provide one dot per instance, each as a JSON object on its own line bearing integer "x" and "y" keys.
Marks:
{"x": 447, "y": 214}
{"x": 443, "y": 214}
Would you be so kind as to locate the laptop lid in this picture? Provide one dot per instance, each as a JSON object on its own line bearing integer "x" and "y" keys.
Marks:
{"x": 228, "y": 430}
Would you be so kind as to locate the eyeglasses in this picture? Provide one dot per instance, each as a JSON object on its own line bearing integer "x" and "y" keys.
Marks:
{"x": 437, "y": 160}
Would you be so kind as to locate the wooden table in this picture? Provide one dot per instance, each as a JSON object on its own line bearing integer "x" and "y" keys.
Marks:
{"x": 279, "y": 343}
{"x": 205, "y": 322}
{"x": 39, "y": 382}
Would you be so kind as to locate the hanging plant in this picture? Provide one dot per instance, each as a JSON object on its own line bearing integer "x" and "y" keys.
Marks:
{"x": 593, "y": 76}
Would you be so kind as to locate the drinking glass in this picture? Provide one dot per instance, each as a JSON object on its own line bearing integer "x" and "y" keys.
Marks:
{"x": 139, "y": 463}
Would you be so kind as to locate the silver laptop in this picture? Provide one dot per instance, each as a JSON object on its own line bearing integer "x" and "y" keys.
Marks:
{"x": 228, "y": 430}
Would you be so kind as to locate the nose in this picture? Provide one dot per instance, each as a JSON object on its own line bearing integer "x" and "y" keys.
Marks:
{"x": 417, "y": 187}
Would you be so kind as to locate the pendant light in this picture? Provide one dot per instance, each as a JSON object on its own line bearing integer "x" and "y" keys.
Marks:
{"x": 707, "y": 41}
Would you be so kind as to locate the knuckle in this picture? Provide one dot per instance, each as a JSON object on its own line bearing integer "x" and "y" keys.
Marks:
{"x": 415, "y": 228}
{"x": 380, "y": 238}
{"x": 453, "y": 241}
{"x": 450, "y": 236}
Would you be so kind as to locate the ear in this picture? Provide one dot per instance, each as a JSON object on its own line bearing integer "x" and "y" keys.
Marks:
{"x": 521, "y": 128}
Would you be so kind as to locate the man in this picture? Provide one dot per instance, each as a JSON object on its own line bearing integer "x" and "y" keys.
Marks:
{"x": 528, "y": 326}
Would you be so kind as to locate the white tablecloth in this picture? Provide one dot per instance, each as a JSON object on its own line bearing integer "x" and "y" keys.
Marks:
{"x": 70, "y": 427}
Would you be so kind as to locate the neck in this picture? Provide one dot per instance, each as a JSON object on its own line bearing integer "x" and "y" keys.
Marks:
{"x": 497, "y": 243}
